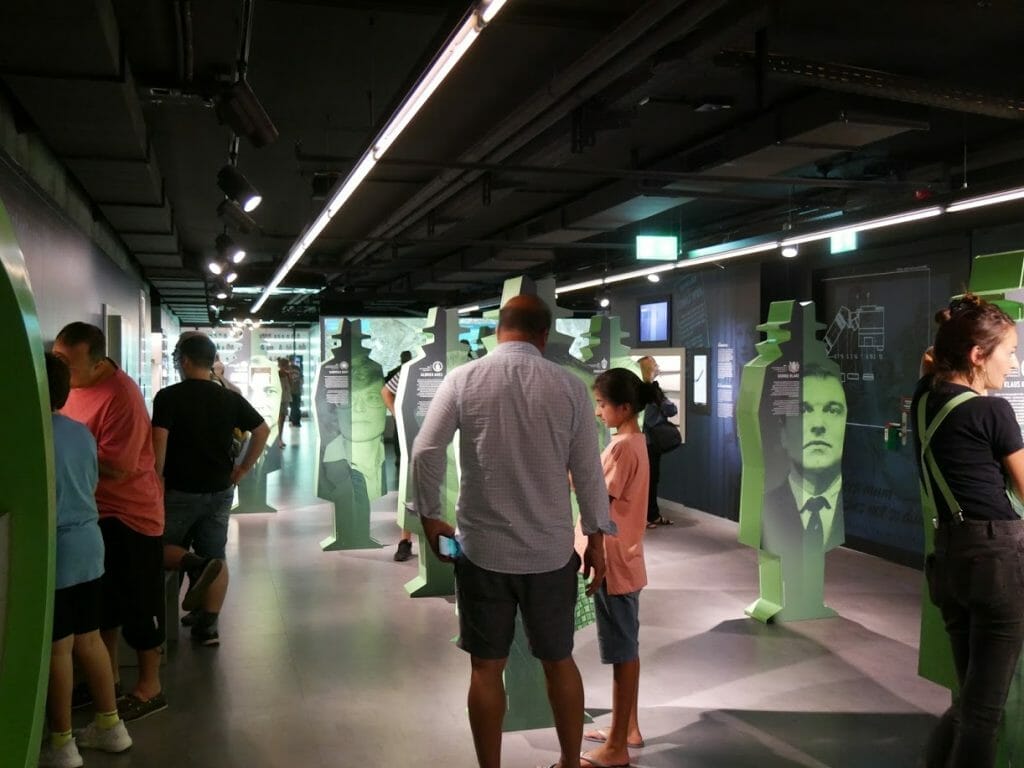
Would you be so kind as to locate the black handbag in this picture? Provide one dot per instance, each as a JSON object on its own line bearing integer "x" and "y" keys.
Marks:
{"x": 665, "y": 436}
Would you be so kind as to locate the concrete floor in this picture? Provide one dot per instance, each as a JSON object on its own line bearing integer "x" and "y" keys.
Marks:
{"x": 325, "y": 661}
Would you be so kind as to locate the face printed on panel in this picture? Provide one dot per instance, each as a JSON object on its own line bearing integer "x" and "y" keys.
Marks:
{"x": 818, "y": 445}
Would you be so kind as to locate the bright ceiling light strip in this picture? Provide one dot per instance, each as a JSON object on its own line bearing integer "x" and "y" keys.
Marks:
{"x": 467, "y": 310}
{"x": 639, "y": 273}
{"x": 729, "y": 254}
{"x": 463, "y": 39}
{"x": 490, "y": 9}
{"x": 579, "y": 286}
{"x": 886, "y": 221}
{"x": 443, "y": 64}
{"x": 993, "y": 199}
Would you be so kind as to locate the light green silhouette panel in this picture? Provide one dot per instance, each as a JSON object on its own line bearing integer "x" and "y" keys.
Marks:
{"x": 527, "y": 705}
{"x": 27, "y": 515}
{"x": 350, "y": 417}
{"x": 791, "y": 421}
{"x": 419, "y": 380}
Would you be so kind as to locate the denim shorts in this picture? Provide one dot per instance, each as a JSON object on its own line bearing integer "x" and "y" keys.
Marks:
{"x": 618, "y": 625}
{"x": 198, "y": 520}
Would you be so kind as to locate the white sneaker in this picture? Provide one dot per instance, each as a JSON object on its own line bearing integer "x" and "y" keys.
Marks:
{"x": 114, "y": 739}
{"x": 64, "y": 757}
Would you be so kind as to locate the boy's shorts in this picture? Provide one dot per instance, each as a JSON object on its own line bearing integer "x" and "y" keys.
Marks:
{"x": 76, "y": 609}
{"x": 618, "y": 625}
{"x": 488, "y": 600}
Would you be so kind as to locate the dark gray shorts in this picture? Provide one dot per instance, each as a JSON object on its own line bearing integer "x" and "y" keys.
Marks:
{"x": 488, "y": 601}
{"x": 618, "y": 625}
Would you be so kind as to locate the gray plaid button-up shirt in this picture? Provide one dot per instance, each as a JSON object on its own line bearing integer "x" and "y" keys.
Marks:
{"x": 524, "y": 424}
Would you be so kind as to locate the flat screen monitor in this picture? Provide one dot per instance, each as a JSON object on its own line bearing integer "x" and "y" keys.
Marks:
{"x": 654, "y": 321}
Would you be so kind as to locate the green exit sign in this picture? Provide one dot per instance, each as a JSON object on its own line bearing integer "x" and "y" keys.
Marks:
{"x": 657, "y": 248}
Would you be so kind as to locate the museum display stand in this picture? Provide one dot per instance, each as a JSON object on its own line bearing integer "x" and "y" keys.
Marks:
{"x": 791, "y": 558}
{"x": 350, "y": 418}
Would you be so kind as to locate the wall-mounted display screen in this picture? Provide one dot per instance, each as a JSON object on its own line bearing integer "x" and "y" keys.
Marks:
{"x": 700, "y": 379}
{"x": 698, "y": 396}
{"x": 654, "y": 322}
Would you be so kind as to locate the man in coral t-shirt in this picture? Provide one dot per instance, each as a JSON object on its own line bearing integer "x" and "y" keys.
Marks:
{"x": 130, "y": 502}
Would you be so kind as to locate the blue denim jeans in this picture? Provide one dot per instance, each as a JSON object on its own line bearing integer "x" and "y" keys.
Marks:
{"x": 976, "y": 578}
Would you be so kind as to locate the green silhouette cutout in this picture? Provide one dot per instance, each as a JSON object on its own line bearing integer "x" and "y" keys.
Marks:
{"x": 791, "y": 396}
{"x": 350, "y": 418}
{"x": 527, "y": 705}
{"x": 419, "y": 380}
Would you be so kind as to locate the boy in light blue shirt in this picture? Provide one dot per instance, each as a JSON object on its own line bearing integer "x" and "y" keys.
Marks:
{"x": 76, "y": 605}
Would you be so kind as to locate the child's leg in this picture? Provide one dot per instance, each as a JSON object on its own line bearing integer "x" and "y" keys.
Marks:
{"x": 92, "y": 657}
{"x": 625, "y": 695}
{"x": 58, "y": 698}
{"x": 633, "y": 733}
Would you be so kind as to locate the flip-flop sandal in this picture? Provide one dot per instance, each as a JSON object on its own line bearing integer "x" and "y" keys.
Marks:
{"x": 594, "y": 763}
{"x": 664, "y": 521}
{"x": 600, "y": 737}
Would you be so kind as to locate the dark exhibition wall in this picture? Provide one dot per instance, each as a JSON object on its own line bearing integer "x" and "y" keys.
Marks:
{"x": 875, "y": 306}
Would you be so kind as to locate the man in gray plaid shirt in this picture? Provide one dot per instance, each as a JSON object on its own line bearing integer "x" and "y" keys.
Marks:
{"x": 525, "y": 426}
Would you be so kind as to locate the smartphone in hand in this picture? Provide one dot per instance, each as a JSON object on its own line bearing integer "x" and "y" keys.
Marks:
{"x": 449, "y": 547}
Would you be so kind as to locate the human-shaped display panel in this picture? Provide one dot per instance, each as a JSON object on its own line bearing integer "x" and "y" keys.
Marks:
{"x": 350, "y": 417}
{"x": 420, "y": 378}
{"x": 792, "y": 426}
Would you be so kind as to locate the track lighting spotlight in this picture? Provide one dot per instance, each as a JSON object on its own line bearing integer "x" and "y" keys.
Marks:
{"x": 238, "y": 108}
{"x": 222, "y": 294}
{"x": 215, "y": 267}
{"x": 790, "y": 252}
{"x": 230, "y": 277}
{"x": 233, "y": 215}
{"x": 605, "y": 302}
{"x": 229, "y": 250}
{"x": 233, "y": 184}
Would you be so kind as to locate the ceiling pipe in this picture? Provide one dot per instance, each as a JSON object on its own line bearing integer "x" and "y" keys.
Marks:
{"x": 610, "y": 173}
{"x": 877, "y": 84}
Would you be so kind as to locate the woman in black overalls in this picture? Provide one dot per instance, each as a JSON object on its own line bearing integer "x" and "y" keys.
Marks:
{"x": 976, "y": 574}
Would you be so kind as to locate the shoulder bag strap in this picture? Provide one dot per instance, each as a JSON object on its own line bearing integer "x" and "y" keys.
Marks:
{"x": 928, "y": 465}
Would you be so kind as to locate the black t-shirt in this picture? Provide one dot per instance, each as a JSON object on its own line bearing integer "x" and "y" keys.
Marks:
{"x": 969, "y": 447}
{"x": 201, "y": 417}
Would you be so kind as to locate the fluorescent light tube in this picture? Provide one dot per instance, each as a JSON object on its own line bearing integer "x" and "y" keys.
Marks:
{"x": 730, "y": 253}
{"x": 489, "y": 10}
{"x": 579, "y": 286}
{"x": 352, "y": 181}
{"x": 438, "y": 71}
{"x": 457, "y": 45}
{"x": 994, "y": 199}
{"x": 885, "y": 221}
{"x": 639, "y": 273}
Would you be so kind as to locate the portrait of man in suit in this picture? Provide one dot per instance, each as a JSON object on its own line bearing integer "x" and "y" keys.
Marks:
{"x": 803, "y": 515}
